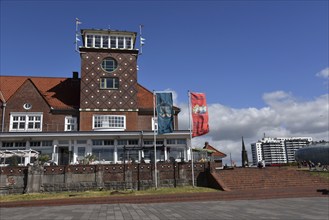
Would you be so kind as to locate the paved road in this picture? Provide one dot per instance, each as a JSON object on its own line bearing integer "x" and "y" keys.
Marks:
{"x": 286, "y": 208}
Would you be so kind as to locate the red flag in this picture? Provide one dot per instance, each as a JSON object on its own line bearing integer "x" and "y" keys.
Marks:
{"x": 199, "y": 114}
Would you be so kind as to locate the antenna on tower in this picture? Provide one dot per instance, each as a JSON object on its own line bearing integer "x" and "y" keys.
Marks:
{"x": 141, "y": 39}
{"x": 77, "y": 34}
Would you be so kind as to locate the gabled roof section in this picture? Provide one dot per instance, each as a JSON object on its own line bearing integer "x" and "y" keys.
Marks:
{"x": 59, "y": 93}
{"x": 216, "y": 153}
{"x": 9, "y": 85}
{"x": 145, "y": 99}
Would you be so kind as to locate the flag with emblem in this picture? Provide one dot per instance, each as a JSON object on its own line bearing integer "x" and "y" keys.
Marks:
{"x": 199, "y": 109}
{"x": 165, "y": 113}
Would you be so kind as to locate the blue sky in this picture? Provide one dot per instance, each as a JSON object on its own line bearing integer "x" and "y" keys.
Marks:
{"x": 251, "y": 58}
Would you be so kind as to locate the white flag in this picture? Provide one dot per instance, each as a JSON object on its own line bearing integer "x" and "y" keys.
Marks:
{"x": 142, "y": 41}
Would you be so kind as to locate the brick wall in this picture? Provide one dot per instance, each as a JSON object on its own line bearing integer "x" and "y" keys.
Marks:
{"x": 13, "y": 180}
{"x": 269, "y": 177}
{"x": 112, "y": 176}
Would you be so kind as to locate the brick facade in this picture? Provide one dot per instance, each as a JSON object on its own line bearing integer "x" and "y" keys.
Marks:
{"x": 92, "y": 97}
{"x": 53, "y": 120}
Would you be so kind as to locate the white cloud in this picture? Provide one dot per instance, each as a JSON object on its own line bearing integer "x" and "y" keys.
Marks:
{"x": 284, "y": 116}
{"x": 324, "y": 73}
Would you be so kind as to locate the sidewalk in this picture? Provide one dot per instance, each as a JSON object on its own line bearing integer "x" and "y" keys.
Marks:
{"x": 274, "y": 193}
{"x": 288, "y": 203}
{"x": 310, "y": 208}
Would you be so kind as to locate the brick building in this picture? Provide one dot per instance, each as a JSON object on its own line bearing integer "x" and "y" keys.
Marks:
{"x": 104, "y": 112}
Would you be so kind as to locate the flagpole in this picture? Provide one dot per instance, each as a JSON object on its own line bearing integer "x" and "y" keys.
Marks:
{"x": 141, "y": 39}
{"x": 154, "y": 134}
{"x": 190, "y": 123}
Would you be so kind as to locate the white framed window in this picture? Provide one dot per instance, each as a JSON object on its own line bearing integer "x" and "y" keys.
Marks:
{"x": 113, "y": 42}
{"x": 121, "y": 42}
{"x": 128, "y": 42}
{"x": 71, "y": 123}
{"x": 101, "y": 142}
{"x": 109, "y": 64}
{"x": 20, "y": 122}
{"x": 89, "y": 41}
{"x": 108, "y": 41}
{"x": 27, "y": 106}
{"x": 105, "y": 41}
{"x": 109, "y": 83}
{"x": 109, "y": 122}
{"x": 97, "y": 41}
{"x": 128, "y": 142}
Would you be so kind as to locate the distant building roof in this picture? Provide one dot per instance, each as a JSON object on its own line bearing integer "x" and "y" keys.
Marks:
{"x": 216, "y": 153}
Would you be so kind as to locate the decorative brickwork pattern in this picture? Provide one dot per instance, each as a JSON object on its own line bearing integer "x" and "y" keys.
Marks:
{"x": 92, "y": 97}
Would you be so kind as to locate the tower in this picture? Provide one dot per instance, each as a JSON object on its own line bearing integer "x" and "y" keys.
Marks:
{"x": 108, "y": 80}
{"x": 244, "y": 155}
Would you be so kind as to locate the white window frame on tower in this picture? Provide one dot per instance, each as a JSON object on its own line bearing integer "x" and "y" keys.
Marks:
{"x": 98, "y": 40}
{"x": 108, "y": 41}
{"x": 127, "y": 41}
{"x": 109, "y": 83}
{"x": 22, "y": 122}
{"x": 89, "y": 37}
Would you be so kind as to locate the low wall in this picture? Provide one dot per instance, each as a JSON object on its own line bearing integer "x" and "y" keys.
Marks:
{"x": 112, "y": 177}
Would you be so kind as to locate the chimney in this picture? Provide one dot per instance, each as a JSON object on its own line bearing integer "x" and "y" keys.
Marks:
{"x": 75, "y": 75}
{"x": 205, "y": 144}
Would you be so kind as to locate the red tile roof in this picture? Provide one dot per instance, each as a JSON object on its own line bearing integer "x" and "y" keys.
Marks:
{"x": 217, "y": 153}
{"x": 63, "y": 93}
{"x": 144, "y": 97}
{"x": 60, "y": 93}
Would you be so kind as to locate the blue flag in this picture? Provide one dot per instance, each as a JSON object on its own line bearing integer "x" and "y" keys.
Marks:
{"x": 164, "y": 107}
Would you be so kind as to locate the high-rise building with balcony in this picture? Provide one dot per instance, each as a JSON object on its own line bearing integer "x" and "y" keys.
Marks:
{"x": 277, "y": 150}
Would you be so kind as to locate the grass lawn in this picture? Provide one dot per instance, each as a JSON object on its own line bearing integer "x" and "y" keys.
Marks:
{"x": 322, "y": 174}
{"x": 100, "y": 193}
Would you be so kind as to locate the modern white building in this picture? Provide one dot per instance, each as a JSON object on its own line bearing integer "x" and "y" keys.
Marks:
{"x": 256, "y": 151}
{"x": 277, "y": 150}
{"x": 292, "y": 144}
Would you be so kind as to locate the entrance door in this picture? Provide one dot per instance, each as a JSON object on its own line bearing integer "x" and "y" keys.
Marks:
{"x": 63, "y": 155}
